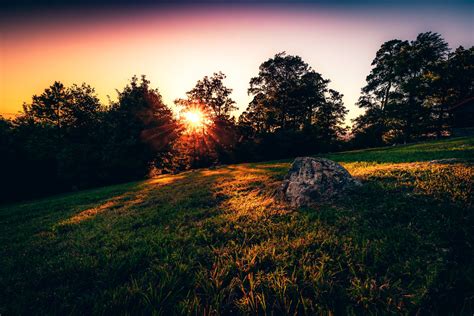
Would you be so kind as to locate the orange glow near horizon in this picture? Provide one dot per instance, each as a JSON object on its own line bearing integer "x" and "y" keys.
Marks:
{"x": 174, "y": 48}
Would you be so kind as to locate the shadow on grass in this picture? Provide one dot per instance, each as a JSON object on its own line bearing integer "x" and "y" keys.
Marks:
{"x": 122, "y": 203}
{"x": 416, "y": 241}
{"x": 215, "y": 241}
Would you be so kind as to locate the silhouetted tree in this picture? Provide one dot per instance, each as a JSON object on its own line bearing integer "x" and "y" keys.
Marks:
{"x": 9, "y": 161}
{"x": 459, "y": 74}
{"x": 215, "y": 143}
{"x": 140, "y": 132}
{"x": 292, "y": 111}
{"x": 50, "y": 109}
{"x": 427, "y": 54}
{"x": 382, "y": 81}
{"x": 399, "y": 88}
{"x": 453, "y": 82}
{"x": 66, "y": 139}
{"x": 368, "y": 129}
{"x": 329, "y": 118}
{"x": 212, "y": 95}
{"x": 257, "y": 118}
{"x": 52, "y": 140}
{"x": 285, "y": 86}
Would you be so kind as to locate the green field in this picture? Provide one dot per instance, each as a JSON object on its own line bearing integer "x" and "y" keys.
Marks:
{"x": 216, "y": 242}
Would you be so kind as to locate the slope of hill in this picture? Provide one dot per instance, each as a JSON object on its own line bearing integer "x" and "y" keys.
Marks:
{"x": 216, "y": 242}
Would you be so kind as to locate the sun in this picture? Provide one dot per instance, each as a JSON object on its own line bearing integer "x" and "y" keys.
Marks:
{"x": 195, "y": 119}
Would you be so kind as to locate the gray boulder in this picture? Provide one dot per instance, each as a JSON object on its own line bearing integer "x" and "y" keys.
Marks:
{"x": 445, "y": 161}
{"x": 312, "y": 180}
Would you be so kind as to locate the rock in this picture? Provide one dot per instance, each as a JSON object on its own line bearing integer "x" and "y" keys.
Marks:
{"x": 445, "y": 161}
{"x": 312, "y": 180}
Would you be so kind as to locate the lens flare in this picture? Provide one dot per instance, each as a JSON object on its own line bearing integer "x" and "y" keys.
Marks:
{"x": 195, "y": 120}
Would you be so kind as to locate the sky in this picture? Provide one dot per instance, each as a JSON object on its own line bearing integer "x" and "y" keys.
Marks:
{"x": 104, "y": 43}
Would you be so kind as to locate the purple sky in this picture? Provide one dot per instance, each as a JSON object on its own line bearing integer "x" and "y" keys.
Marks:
{"x": 177, "y": 45}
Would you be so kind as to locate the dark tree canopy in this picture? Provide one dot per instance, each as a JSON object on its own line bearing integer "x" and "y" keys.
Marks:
{"x": 406, "y": 95}
{"x": 66, "y": 139}
{"x": 53, "y": 140}
{"x": 292, "y": 106}
{"x": 141, "y": 127}
{"x": 329, "y": 118}
{"x": 212, "y": 95}
{"x": 289, "y": 91}
{"x": 289, "y": 95}
{"x": 64, "y": 108}
{"x": 215, "y": 143}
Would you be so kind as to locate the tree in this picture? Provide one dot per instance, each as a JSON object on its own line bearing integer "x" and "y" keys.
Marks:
{"x": 427, "y": 54}
{"x": 292, "y": 112}
{"x": 452, "y": 83}
{"x": 368, "y": 129}
{"x": 384, "y": 78}
{"x": 212, "y": 95}
{"x": 396, "y": 96}
{"x": 214, "y": 144}
{"x": 51, "y": 108}
{"x": 64, "y": 109}
{"x": 52, "y": 140}
{"x": 329, "y": 117}
{"x": 140, "y": 131}
{"x": 459, "y": 74}
{"x": 79, "y": 157}
{"x": 256, "y": 119}
{"x": 288, "y": 94}
{"x": 282, "y": 87}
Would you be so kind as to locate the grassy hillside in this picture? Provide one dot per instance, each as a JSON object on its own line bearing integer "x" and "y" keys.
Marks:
{"x": 216, "y": 242}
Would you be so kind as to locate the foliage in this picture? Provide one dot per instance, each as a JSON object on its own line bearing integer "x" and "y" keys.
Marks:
{"x": 212, "y": 95}
{"x": 289, "y": 95}
{"x": 216, "y": 242}
{"x": 291, "y": 107}
{"x": 65, "y": 139}
{"x": 213, "y": 142}
{"x": 141, "y": 132}
{"x": 410, "y": 90}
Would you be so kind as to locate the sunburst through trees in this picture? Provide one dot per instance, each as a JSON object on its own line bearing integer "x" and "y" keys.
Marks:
{"x": 205, "y": 119}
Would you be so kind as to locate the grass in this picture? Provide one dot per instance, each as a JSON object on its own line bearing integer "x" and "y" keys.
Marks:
{"x": 214, "y": 242}
{"x": 461, "y": 148}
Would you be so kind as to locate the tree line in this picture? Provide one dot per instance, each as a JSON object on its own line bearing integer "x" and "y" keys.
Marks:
{"x": 66, "y": 139}
{"x": 410, "y": 90}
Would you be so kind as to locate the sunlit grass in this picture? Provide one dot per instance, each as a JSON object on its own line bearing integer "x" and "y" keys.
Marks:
{"x": 218, "y": 242}
{"x": 454, "y": 181}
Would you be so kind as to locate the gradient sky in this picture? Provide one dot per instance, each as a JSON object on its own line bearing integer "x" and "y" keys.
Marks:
{"x": 175, "y": 45}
